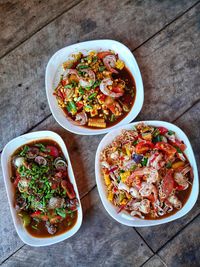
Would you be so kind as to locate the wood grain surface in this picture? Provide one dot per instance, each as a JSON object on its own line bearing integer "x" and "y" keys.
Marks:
{"x": 165, "y": 40}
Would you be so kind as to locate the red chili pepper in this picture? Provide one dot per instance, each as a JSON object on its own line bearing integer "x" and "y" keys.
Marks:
{"x": 17, "y": 179}
{"x": 38, "y": 214}
{"x": 121, "y": 208}
{"x": 162, "y": 130}
{"x": 79, "y": 105}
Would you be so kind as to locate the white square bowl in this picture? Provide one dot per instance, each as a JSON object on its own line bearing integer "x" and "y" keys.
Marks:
{"x": 8, "y": 150}
{"x": 63, "y": 54}
{"x": 125, "y": 218}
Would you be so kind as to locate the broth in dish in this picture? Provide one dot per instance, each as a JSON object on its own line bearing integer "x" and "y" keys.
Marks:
{"x": 95, "y": 90}
{"x": 146, "y": 172}
{"x": 44, "y": 196}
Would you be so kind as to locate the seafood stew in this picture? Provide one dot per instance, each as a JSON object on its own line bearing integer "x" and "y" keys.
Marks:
{"x": 95, "y": 90}
{"x": 146, "y": 172}
{"x": 44, "y": 196}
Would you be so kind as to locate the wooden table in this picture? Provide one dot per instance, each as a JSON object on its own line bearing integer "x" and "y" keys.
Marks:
{"x": 164, "y": 37}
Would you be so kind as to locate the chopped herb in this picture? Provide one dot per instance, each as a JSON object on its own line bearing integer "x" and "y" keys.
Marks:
{"x": 81, "y": 91}
{"x": 170, "y": 132}
{"x": 81, "y": 67}
{"x": 41, "y": 147}
{"x": 71, "y": 107}
{"x": 24, "y": 150}
{"x": 157, "y": 138}
{"x": 144, "y": 162}
{"x": 69, "y": 86}
{"x": 61, "y": 212}
{"x": 135, "y": 142}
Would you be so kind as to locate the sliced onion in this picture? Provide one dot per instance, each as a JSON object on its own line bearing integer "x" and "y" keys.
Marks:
{"x": 18, "y": 161}
{"x": 41, "y": 160}
{"x": 32, "y": 153}
{"x": 61, "y": 165}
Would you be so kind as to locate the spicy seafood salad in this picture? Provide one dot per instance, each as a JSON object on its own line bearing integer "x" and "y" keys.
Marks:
{"x": 146, "y": 172}
{"x": 95, "y": 90}
{"x": 44, "y": 196}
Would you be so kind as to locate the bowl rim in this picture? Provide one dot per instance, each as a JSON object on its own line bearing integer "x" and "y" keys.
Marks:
{"x": 110, "y": 208}
{"x": 5, "y": 161}
{"x": 139, "y": 98}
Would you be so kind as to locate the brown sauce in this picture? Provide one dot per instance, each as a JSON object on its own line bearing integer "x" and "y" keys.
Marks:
{"x": 41, "y": 231}
{"x": 128, "y": 98}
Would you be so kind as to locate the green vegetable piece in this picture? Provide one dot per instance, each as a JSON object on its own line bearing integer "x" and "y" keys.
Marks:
{"x": 41, "y": 147}
{"x": 24, "y": 150}
{"x": 102, "y": 68}
{"x": 168, "y": 165}
{"x": 81, "y": 91}
{"x": 135, "y": 142}
{"x": 82, "y": 67}
{"x": 25, "y": 218}
{"x": 156, "y": 132}
{"x": 71, "y": 107}
{"x": 112, "y": 118}
{"x": 61, "y": 212}
{"x": 97, "y": 83}
{"x": 178, "y": 149}
{"x": 92, "y": 96}
{"x": 170, "y": 132}
{"x": 121, "y": 196}
{"x": 144, "y": 162}
{"x": 69, "y": 86}
{"x": 132, "y": 168}
{"x": 34, "y": 227}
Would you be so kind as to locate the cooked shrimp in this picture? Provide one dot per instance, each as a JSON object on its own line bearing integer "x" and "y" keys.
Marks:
{"x": 110, "y": 61}
{"x": 89, "y": 81}
{"x": 152, "y": 174}
{"x": 104, "y": 88}
{"x": 175, "y": 202}
{"x": 81, "y": 118}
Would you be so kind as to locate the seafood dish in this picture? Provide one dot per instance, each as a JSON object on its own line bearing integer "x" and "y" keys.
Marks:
{"x": 45, "y": 199}
{"x": 146, "y": 172}
{"x": 95, "y": 90}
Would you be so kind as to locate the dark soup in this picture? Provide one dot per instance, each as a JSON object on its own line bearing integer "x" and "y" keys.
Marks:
{"x": 44, "y": 196}
{"x": 97, "y": 90}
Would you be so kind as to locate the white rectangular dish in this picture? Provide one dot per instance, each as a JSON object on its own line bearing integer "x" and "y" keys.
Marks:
{"x": 52, "y": 77}
{"x": 8, "y": 150}
{"x": 125, "y": 218}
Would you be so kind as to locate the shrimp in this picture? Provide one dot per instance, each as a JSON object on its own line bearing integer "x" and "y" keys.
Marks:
{"x": 81, "y": 118}
{"x": 147, "y": 189}
{"x": 103, "y": 87}
{"x": 89, "y": 81}
{"x": 68, "y": 72}
{"x": 175, "y": 202}
{"x": 142, "y": 206}
{"x": 151, "y": 172}
{"x": 110, "y": 61}
{"x": 180, "y": 178}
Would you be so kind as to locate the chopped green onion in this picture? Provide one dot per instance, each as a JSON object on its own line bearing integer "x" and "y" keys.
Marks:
{"x": 97, "y": 83}
{"x": 82, "y": 67}
{"x": 168, "y": 165}
{"x": 81, "y": 91}
{"x": 34, "y": 227}
{"x": 112, "y": 118}
{"x": 69, "y": 86}
{"x": 24, "y": 150}
{"x": 71, "y": 107}
{"x": 61, "y": 212}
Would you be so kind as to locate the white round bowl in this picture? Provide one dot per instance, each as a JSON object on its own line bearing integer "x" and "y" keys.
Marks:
{"x": 8, "y": 150}
{"x": 98, "y": 45}
{"x": 125, "y": 218}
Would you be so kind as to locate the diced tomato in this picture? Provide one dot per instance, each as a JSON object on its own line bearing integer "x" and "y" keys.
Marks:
{"x": 102, "y": 98}
{"x": 55, "y": 219}
{"x": 117, "y": 89}
{"x": 101, "y": 55}
{"x": 53, "y": 151}
{"x": 162, "y": 130}
{"x": 17, "y": 179}
{"x": 167, "y": 148}
{"x": 38, "y": 214}
{"x": 143, "y": 147}
{"x": 64, "y": 82}
{"x": 179, "y": 144}
{"x": 168, "y": 183}
{"x": 68, "y": 187}
{"x": 79, "y": 105}
{"x": 54, "y": 186}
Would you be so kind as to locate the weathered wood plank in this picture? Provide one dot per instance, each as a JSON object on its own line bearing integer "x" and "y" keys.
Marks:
{"x": 157, "y": 236}
{"x": 170, "y": 65}
{"x": 20, "y": 19}
{"x": 22, "y": 70}
{"x": 100, "y": 242}
{"x": 155, "y": 261}
{"x": 184, "y": 249}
